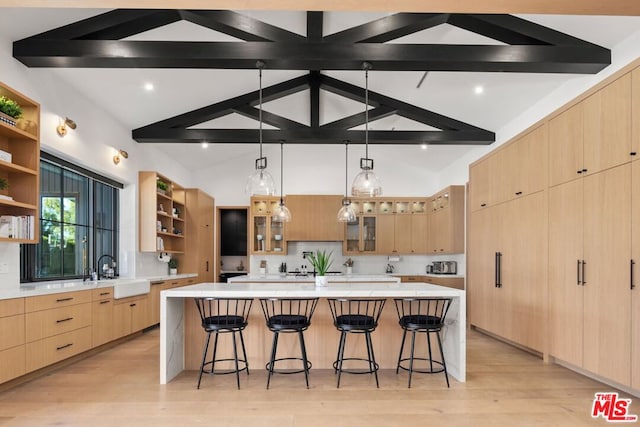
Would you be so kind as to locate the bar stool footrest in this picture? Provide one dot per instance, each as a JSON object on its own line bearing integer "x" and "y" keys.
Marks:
{"x": 225, "y": 371}
{"x": 422, "y": 371}
{"x": 376, "y": 366}
{"x": 287, "y": 372}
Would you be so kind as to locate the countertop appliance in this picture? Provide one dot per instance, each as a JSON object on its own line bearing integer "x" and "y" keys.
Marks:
{"x": 445, "y": 267}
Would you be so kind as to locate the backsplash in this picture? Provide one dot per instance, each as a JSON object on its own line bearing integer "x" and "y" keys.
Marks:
{"x": 362, "y": 264}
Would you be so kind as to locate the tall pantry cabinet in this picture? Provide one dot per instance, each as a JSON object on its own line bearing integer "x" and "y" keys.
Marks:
{"x": 592, "y": 205}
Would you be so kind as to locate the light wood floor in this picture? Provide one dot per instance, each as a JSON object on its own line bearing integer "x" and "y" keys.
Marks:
{"x": 119, "y": 387}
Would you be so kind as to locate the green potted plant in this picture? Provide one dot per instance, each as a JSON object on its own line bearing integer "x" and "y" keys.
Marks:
{"x": 10, "y": 109}
{"x": 4, "y": 184}
{"x": 162, "y": 186}
{"x": 321, "y": 262}
{"x": 173, "y": 266}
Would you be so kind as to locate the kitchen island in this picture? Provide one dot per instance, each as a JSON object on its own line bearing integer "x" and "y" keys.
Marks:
{"x": 309, "y": 278}
{"x": 182, "y": 337}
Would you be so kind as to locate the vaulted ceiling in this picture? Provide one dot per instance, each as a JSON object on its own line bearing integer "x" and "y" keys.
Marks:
{"x": 316, "y": 59}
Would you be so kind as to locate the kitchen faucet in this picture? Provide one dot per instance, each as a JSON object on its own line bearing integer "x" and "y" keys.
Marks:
{"x": 109, "y": 273}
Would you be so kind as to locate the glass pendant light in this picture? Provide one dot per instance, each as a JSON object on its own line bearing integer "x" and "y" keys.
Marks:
{"x": 260, "y": 182}
{"x": 346, "y": 213}
{"x": 281, "y": 213}
{"x": 366, "y": 183}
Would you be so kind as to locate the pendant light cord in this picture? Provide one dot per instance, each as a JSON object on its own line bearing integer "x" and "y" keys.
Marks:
{"x": 281, "y": 172}
{"x": 366, "y": 109}
{"x": 346, "y": 168}
{"x": 260, "y": 114}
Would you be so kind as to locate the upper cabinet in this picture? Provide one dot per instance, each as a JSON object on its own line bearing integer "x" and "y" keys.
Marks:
{"x": 162, "y": 212}
{"x": 501, "y": 176}
{"x": 267, "y": 236}
{"x": 314, "y": 218}
{"x": 595, "y": 134}
{"x": 446, "y": 222}
{"x": 20, "y": 168}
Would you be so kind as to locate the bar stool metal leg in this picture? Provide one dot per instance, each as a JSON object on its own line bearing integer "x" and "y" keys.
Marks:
{"x": 303, "y": 350}
{"x": 235, "y": 357}
{"x": 244, "y": 352}
{"x": 413, "y": 346}
{"x": 404, "y": 335}
{"x": 204, "y": 358}
{"x": 272, "y": 361}
{"x": 444, "y": 364}
{"x": 372, "y": 357}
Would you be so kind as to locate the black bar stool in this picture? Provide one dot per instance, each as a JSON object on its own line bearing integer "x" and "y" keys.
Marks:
{"x": 224, "y": 315}
{"x": 356, "y": 316}
{"x": 288, "y": 315}
{"x": 422, "y": 315}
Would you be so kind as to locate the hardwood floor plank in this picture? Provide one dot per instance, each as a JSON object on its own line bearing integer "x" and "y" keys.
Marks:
{"x": 120, "y": 387}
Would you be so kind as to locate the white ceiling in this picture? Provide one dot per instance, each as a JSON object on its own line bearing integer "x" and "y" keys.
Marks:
{"x": 120, "y": 91}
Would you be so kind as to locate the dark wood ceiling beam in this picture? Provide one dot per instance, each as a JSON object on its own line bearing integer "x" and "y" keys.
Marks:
{"x": 360, "y": 118}
{"x": 403, "y": 109}
{"x": 388, "y": 28}
{"x": 314, "y": 98}
{"x": 103, "y": 23}
{"x": 514, "y": 30}
{"x": 315, "y": 22}
{"x": 240, "y": 26}
{"x": 310, "y": 56}
{"x": 227, "y": 106}
{"x": 308, "y": 135}
{"x": 269, "y": 118}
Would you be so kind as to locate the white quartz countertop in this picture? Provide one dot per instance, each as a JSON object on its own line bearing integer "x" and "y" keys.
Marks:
{"x": 53, "y": 287}
{"x": 301, "y": 290}
{"x": 348, "y": 278}
{"x": 451, "y": 276}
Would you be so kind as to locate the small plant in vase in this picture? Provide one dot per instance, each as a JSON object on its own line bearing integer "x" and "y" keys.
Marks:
{"x": 162, "y": 186}
{"x": 4, "y": 184}
{"x": 349, "y": 264}
{"x": 321, "y": 262}
{"x": 173, "y": 266}
{"x": 10, "y": 109}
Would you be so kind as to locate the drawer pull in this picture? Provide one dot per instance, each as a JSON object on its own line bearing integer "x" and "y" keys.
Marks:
{"x": 64, "y": 346}
{"x": 174, "y": 283}
{"x": 132, "y": 305}
{"x": 64, "y": 320}
{"x": 64, "y": 299}
{"x": 157, "y": 283}
{"x": 104, "y": 293}
{"x": 104, "y": 302}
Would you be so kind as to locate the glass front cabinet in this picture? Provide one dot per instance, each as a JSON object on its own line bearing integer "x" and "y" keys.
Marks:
{"x": 267, "y": 236}
{"x": 360, "y": 235}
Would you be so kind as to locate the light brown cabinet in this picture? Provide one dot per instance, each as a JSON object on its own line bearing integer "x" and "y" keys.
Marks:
{"x": 199, "y": 255}
{"x": 360, "y": 235}
{"x": 101, "y": 316}
{"x": 635, "y": 275}
{"x": 446, "y": 222}
{"x": 161, "y": 214}
{"x": 314, "y": 218}
{"x": 130, "y": 315}
{"x": 266, "y": 236}
{"x": 12, "y": 339}
{"x": 22, "y": 142}
{"x": 581, "y": 137}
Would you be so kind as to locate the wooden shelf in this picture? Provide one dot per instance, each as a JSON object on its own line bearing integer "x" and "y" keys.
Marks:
{"x": 16, "y": 204}
{"x": 175, "y": 218}
{"x": 15, "y": 132}
{"x": 7, "y": 240}
{"x": 12, "y": 167}
{"x": 162, "y": 233}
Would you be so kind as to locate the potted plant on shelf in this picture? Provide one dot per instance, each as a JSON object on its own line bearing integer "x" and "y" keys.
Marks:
{"x": 321, "y": 261}
{"x": 4, "y": 184}
{"x": 173, "y": 266}
{"x": 162, "y": 186}
{"x": 10, "y": 111}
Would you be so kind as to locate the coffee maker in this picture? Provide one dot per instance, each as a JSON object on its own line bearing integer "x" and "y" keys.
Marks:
{"x": 444, "y": 267}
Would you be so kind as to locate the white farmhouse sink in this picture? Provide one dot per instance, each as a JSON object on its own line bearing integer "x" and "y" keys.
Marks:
{"x": 128, "y": 288}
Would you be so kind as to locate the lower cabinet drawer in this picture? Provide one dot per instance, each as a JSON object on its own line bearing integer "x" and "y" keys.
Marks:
{"x": 11, "y": 331}
{"x": 47, "y": 323}
{"x": 12, "y": 363}
{"x": 54, "y": 349}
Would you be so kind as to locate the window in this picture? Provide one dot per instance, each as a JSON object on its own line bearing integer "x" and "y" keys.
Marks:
{"x": 78, "y": 222}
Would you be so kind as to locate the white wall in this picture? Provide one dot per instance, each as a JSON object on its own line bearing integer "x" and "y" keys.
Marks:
{"x": 92, "y": 146}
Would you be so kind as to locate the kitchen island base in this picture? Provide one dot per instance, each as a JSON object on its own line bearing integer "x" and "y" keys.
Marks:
{"x": 182, "y": 337}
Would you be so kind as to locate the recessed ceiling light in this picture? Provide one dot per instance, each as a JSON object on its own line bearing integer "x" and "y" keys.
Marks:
{"x": 205, "y": 144}
{"x": 478, "y": 90}
{"x": 423, "y": 146}
{"x": 148, "y": 87}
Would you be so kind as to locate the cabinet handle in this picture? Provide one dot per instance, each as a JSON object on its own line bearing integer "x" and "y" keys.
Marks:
{"x": 132, "y": 305}
{"x": 157, "y": 283}
{"x": 104, "y": 302}
{"x": 483, "y": 205}
{"x": 207, "y": 268}
{"x": 518, "y": 193}
{"x": 64, "y": 346}
{"x": 496, "y": 269}
{"x": 578, "y": 273}
{"x": 104, "y": 293}
{"x": 633, "y": 153}
{"x": 64, "y": 299}
{"x": 584, "y": 277}
{"x": 584, "y": 170}
{"x": 64, "y": 320}
{"x": 631, "y": 279}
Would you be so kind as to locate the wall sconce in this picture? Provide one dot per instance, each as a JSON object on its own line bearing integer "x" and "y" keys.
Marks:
{"x": 119, "y": 153}
{"x": 62, "y": 127}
